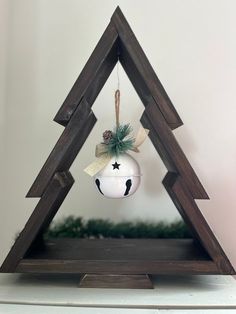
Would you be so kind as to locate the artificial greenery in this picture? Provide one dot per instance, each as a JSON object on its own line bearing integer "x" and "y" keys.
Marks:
{"x": 120, "y": 141}
{"x": 76, "y": 227}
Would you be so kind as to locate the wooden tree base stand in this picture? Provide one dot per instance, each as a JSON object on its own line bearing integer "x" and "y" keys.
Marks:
{"x": 128, "y": 260}
{"x": 118, "y": 256}
{"x": 116, "y": 281}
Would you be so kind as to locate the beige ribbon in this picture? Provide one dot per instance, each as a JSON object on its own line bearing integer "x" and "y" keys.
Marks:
{"x": 103, "y": 157}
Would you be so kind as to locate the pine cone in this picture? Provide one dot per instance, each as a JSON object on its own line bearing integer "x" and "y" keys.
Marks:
{"x": 107, "y": 135}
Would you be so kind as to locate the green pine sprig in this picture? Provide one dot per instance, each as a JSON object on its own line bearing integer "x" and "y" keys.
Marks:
{"x": 121, "y": 141}
{"x": 76, "y": 227}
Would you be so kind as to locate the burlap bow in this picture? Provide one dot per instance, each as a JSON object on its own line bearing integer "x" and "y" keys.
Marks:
{"x": 103, "y": 157}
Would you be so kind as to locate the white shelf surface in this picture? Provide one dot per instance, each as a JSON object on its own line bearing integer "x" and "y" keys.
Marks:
{"x": 171, "y": 292}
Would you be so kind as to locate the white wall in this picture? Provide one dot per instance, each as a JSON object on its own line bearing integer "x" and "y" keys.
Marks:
{"x": 3, "y": 71}
{"x": 192, "y": 47}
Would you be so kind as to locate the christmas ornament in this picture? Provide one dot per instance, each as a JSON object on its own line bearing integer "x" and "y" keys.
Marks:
{"x": 116, "y": 173}
{"x": 119, "y": 178}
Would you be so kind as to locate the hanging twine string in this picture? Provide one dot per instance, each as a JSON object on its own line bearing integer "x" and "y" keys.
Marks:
{"x": 117, "y": 97}
{"x": 118, "y": 75}
{"x": 117, "y": 107}
{"x": 102, "y": 151}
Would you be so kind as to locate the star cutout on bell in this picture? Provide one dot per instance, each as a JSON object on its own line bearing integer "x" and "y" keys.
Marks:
{"x": 116, "y": 166}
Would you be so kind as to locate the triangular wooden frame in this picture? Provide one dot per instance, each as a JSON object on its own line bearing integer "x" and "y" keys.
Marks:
{"x": 201, "y": 256}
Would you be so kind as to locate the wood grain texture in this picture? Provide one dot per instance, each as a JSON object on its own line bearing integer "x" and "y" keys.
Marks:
{"x": 120, "y": 249}
{"x": 116, "y": 281}
{"x": 117, "y": 267}
{"x": 171, "y": 153}
{"x": 144, "y": 69}
{"x": 93, "y": 76}
{"x": 186, "y": 205}
{"x": 119, "y": 256}
{"x": 42, "y": 215}
{"x": 66, "y": 148}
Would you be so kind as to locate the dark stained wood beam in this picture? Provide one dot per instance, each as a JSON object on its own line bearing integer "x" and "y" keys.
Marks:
{"x": 119, "y": 256}
{"x": 116, "y": 281}
{"x": 185, "y": 203}
{"x": 93, "y": 76}
{"x": 42, "y": 215}
{"x": 131, "y": 48}
{"x": 66, "y": 148}
{"x": 172, "y": 155}
{"x": 118, "y": 267}
{"x": 157, "y": 143}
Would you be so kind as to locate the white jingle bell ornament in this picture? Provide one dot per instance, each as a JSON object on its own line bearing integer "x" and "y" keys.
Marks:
{"x": 119, "y": 178}
{"x": 116, "y": 173}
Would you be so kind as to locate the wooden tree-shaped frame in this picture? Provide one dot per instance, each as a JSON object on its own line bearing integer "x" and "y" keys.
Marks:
{"x": 201, "y": 255}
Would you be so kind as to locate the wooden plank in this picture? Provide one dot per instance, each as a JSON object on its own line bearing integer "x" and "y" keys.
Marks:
{"x": 118, "y": 249}
{"x": 138, "y": 82}
{"x": 101, "y": 76}
{"x": 169, "y": 181}
{"x": 119, "y": 256}
{"x": 159, "y": 146}
{"x": 116, "y": 281}
{"x": 171, "y": 153}
{"x": 184, "y": 202}
{"x": 66, "y": 148}
{"x": 41, "y": 216}
{"x": 144, "y": 68}
{"x": 117, "y": 267}
{"x": 93, "y": 76}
